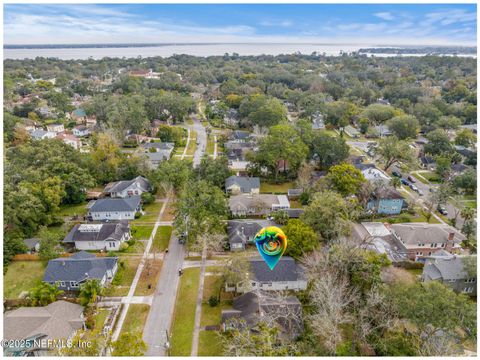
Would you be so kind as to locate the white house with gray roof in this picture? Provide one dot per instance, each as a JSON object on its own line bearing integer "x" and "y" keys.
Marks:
{"x": 127, "y": 188}
{"x": 40, "y": 134}
{"x": 115, "y": 208}
{"x": 242, "y": 185}
{"x": 287, "y": 275}
{"x": 71, "y": 272}
{"x": 451, "y": 270}
{"x": 106, "y": 237}
{"x": 257, "y": 204}
{"x": 242, "y": 232}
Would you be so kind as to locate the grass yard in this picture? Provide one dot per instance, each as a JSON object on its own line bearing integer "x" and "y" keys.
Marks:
{"x": 210, "y": 145}
{"x": 162, "y": 238}
{"x": 168, "y": 214}
{"x": 73, "y": 209}
{"x": 136, "y": 317}
{"x": 149, "y": 276}
{"x": 151, "y": 213}
{"x": 22, "y": 276}
{"x": 419, "y": 175}
{"x": 295, "y": 204}
{"x": 431, "y": 176}
{"x": 209, "y": 344}
{"x": 100, "y": 318}
{"x": 184, "y": 318}
{"x": 275, "y": 188}
{"x": 329, "y": 132}
{"x": 405, "y": 218}
{"x": 141, "y": 232}
{"x": 192, "y": 144}
{"x": 124, "y": 276}
{"x": 190, "y": 122}
{"x": 212, "y": 315}
{"x": 179, "y": 150}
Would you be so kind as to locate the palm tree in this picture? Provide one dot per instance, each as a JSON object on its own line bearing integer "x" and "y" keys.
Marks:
{"x": 395, "y": 182}
{"x": 89, "y": 291}
{"x": 44, "y": 294}
{"x": 468, "y": 213}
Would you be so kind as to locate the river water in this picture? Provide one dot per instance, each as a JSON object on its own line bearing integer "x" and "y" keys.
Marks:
{"x": 190, "y": 49}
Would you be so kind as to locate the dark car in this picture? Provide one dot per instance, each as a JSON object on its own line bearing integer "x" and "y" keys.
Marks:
{"x": 404, "y": 182}
{"x": 410, "y": 177}
{"x": 442, "y": 210}
{"x": 396, "y": 174}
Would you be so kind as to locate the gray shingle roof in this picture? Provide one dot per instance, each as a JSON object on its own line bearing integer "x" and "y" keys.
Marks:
{"x": 97, "y": 232}
{"x": 127, "y": 204}
{"x": 119, "y": 186}
{"x": 38, "y": 133}
{"x": 80, "y": 266}
{"x": 242, "y": 231}
{"x": 159, "y": 145}
{"x": 31, "y": 243}
{"x": 246, "y": 184}
{"x": 285, "y": 270}
{"x": 57, "y": 320}
{"x": 414, "y": 233}
{"x": 447, "y": 268}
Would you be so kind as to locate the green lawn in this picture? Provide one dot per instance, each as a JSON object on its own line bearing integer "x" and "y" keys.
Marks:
{"x": 184, "y": 318}
{"x": 73, "y": 209}
{"x": 136, "y": 317}
{"x": 209, "y": 344}
{"x": 22, "y": 276}
{"x": 179, "y": 150}
{"x": 100, "y": 318}
{"x": 210, "y": 145}
{"x": 406, "y": 218}
{"x": 141, "y": 232}
{"x": 329, "y": 132}
{"x": 418, "y": 175}
{"x": 151, "y": 213}
{"x": 124, "y": 276}
{"x": 431, "y": 176}
{"x": 190, "y": 122}
{"x": 162, "y": 238}
{"x": 192, "y": 144}
{"x": 275, "y": 188}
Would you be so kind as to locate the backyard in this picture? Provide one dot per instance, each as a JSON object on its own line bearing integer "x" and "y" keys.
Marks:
{"x": 22, "y": 276}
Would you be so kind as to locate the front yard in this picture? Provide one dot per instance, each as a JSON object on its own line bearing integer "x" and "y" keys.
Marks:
{"x": 136, "y": 318}
{"x": 150, "y": 213}
{"x": 22, "y": 276}
{"x": 127, "y": 268}
{"x": 73, "y": 209}
{"x": 149, "y": 277}
{"x": 184, "y": 318}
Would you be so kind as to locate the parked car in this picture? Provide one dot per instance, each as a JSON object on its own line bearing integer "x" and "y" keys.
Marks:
{"x": 410, "y": 177}
{"x": 404, "y": 182}
{"x": 420, "y": 192}
{"x": 442, "y": 210}
{"x": 413, "y": 187}
{"x": 397, "y": 174}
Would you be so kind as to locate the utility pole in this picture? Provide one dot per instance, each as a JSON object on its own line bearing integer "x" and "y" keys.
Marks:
{"x": 167, "y": 343}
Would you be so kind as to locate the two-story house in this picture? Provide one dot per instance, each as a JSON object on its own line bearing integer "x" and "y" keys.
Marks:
{"x": 453, "y": 271}
{"x": 81, "y": 131}
{"x": 386, "y": 201}
{"x": 56, "y": 128}
{"x": 242, "y": 232}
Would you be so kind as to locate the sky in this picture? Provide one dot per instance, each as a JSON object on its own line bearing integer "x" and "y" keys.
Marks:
{"x": 375, "y": 24}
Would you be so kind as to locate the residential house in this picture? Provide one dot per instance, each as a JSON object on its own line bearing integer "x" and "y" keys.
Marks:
{"x": 242, "y": 232}
{"x": 59, "y": 320}
{"x": 383, "y": 130}
{"x": 157, "y": 152}
{"x": 79, "y": 115}
{"x": 351, "y": 131}
{"x": 318, "y": 123}
{"x": 56, "y": 128}
{"x": 294, "y": 213}
{"x": 284, "y": 312}
{"x": 33, "y": 245}
{"x": 240, "y": 136}
{"x": 147, "y": 74}
{"x": 451, "y": 270}
{"x": 115, "y": 208}
{"x": 70, "y": 273}
{"x": 231, "y": 117}
{"x": 386, "y": 201}
{"x": 465, "y": 152}
{"x": 242, "y": 185}
{"x": 472, "y": 127}
{"x": 427, "y": 162}
{"x": 420, "y": 240}
{"x": 458, "y": 169}
{"x": 106, "y": 237}
{"x": 383, "y": 101}
{"x": 46, "y": 112}
{"x": 257, "y": 204}
{"x": 81, "y": 131}
{"x": 126, "y": 188}
{"x": 356, "y": 159}
{"x": 71, "y": 140}
{"x": 287, "y": 275}
{"x": 91, "y": 121}
{"x": 372, "y": 174}
{"x": 39, "y": 134}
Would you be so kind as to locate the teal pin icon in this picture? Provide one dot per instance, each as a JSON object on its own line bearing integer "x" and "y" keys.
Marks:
{"x": 271, "y": 243}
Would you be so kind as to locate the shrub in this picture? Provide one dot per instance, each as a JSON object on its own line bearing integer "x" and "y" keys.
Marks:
{"x": 138, "y": 214}
{"x": 148, "y": 198}
{"x": 124, "y": 246}
{"x": 213, "y": 301}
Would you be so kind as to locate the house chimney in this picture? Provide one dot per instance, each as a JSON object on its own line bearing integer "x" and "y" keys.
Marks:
{"x": 451, "y": 235}
{"x": 449, "y": 244}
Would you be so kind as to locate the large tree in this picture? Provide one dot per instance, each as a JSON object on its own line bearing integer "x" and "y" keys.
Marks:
{"x": 328, "y": 150}
{"x": 301, "y": 238}
{"x": 345, "y": 178}
{"x": 394, "y": 151}
{"x": 403, "y": 126}
{"x": 438, "y": 143}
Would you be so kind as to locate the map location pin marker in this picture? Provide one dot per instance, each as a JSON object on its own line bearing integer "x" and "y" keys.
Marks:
{"x": 271, "y": 244}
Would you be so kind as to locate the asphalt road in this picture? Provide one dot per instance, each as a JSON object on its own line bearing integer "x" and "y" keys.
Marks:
{"x": 201, "y": 140}
{"x": 160, "y": 316}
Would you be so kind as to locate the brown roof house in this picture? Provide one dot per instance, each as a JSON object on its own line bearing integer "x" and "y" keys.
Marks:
{"x": 59, "y": 320}
{"x": 420, "y": 240}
